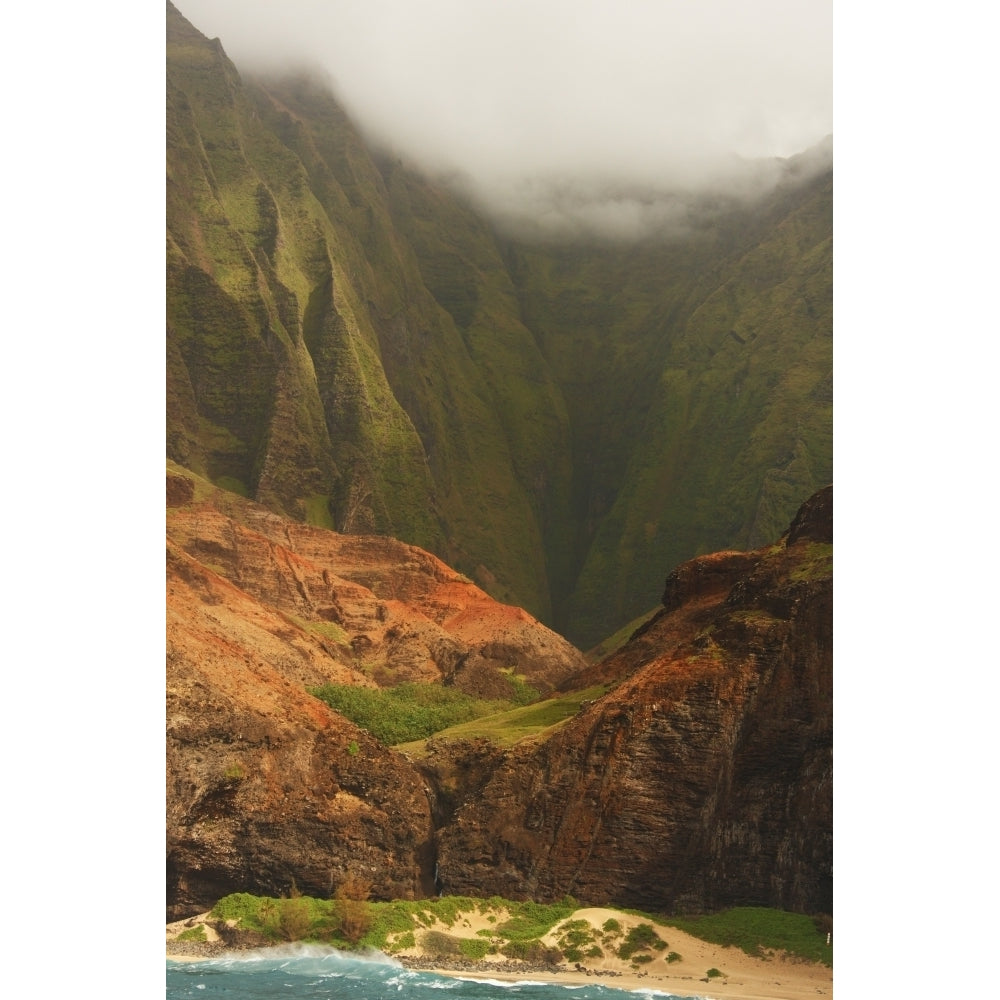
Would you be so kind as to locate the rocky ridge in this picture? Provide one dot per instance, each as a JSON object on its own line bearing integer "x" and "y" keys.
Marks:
{"x": 701, "y": 779}
{"x": 268, "y": 788}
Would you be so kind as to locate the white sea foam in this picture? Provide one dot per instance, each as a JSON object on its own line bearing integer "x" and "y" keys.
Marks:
{"x": 309, "y": 972}
{"x": 505, "y": 984}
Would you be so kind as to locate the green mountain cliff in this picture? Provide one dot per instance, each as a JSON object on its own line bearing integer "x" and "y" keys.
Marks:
{"x": 356, "y": 346}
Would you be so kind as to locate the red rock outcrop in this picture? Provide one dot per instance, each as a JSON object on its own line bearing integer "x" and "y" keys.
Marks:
{"x": 267, "y": 788}
{"x": 703, "y": 779}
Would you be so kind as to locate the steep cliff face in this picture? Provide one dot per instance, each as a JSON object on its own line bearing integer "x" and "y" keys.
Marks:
{"x": 309, "y": 366}
{"x": 267, "y": 788}
{"x": 355, "y": 346}
{"x": 704, "y": 778}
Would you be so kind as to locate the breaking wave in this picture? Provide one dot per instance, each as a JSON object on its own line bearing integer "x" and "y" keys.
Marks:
{"x": 304, "y": 972}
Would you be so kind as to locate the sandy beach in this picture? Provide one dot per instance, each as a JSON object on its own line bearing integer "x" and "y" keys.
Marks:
{"x": 743, "y": 977}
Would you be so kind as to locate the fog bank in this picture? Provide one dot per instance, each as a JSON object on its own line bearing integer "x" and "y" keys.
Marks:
{"x": 512, "y": 95}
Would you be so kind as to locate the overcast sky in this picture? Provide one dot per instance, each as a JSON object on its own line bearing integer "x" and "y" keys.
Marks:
{"x": 641, "y": 88}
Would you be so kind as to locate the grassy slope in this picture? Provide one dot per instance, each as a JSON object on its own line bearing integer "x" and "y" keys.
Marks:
{"x": 505, "y": 729}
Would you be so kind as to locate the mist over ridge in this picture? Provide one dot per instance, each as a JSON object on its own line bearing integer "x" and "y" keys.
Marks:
{"x": 608, "y": 207}
{"x": 561, "y": 119}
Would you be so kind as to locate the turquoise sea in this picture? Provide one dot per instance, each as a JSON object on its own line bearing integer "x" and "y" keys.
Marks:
{"x": 304, "y": 972}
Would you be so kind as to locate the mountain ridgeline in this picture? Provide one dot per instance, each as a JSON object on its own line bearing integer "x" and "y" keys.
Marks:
{"x": 358, "y": 347}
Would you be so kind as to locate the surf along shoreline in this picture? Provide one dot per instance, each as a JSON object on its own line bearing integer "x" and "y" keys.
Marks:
{"x": 739, "y": 976}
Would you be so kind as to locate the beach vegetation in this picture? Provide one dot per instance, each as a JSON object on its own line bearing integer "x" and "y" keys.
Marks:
{"x": 355, "y": 919}
{"x": 391, "y": 922}
{"x": 196, "y": 933}
{"x": 295, "y": 918}
{"x": 642, "y": 937}
{"x": 350, "y": 921}
{"x": 440, "y": 944}
{"x": 572, "y": 936}
{"x": 757, "y": 930}
{"x": 474, "y": 948}
{"x": 714, "y": 973}
{"x": 352, "y": 907}
{"x": 354, "y": 886}
{"x": 401, "y": 942}
{"x": 529, "y": 921}
{"x": 535, "y": 952}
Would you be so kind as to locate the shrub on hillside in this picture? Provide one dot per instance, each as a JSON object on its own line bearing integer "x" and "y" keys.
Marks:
{"x": 441, "y": 945}
{"x": 295, "y": 918}
{"x": 532, "y": 951}
{"x": 642, "y": 937}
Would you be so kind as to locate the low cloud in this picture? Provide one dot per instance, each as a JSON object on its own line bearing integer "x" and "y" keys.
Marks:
{"x": 667, "y": 95}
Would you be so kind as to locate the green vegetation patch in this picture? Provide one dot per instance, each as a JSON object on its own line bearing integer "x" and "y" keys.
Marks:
{"x": 510, "y": 727}
{"x": 614, "y": 642}
{"x": 532, "y": 951}
{"x": 330, "y": 631}
{"x": 394, "y": 926}
{"x": 407, "y": 712}
{"x": 233, "y": 485}
{"x": 344, "y": 923}
{"x": 390, "y": 927}
{"x": 474, "y": 948}
{"x": 529, "y": 920}
{"x": 297, "y": 919}
{"x": 402, "y": 941}
{"x": 757, "y": 930}
{"x": 440, "y": 944}
{"x": 572, "y": 936}
{"x": 642, "y": 937}
{"x": 816, "y": 562}
{"x": 196, "y": 933}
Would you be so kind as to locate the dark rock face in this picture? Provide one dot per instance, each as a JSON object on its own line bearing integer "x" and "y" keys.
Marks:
{"x": 266, "y": 806}
{"x": 704, "y": 779}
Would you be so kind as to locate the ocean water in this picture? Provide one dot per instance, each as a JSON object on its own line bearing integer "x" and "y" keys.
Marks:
{"x": 304, "y": 972}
